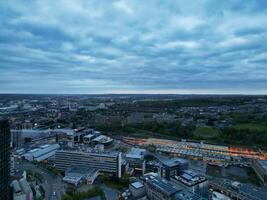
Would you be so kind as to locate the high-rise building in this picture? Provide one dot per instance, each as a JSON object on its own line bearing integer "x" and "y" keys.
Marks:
{"x": 16, "y": 138}
{"x": 4, "y": 159}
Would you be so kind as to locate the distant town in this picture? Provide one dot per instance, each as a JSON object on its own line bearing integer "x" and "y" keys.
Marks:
{"x": 134, "y": 147}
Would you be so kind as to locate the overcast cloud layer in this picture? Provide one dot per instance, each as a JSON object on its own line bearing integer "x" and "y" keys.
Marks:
{"x": 133, "y": 46}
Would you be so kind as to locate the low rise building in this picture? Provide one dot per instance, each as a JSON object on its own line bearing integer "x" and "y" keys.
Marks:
{"x": 41, "y": 153}
{"x": 77, "y": 175}
{"x": 192, "y": 181}
{"x": 173, "y": 167}
{"x": 160, "y": 189}
{"x": 137, "y": 189}
{"x": 21, "y": 190}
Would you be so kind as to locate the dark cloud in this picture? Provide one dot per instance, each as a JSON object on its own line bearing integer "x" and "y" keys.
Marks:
{"x": 133, "y": 46}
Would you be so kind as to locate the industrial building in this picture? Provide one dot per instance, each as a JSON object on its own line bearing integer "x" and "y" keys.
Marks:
{"x": 77, "y": 175}
{"x": 42, "y": 153}
{"x": 22, "y": 190}
{"x": 173, "y": 167}
{"x": 260, "y": 168}
{"x": 104, "y": 162}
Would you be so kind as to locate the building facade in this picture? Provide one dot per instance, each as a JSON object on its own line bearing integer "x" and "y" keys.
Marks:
{"x": 260, "y": 168}
{"x": 160, "y": 189}
{"x": 5, "y": 139}
{"x": 104, "y": 162}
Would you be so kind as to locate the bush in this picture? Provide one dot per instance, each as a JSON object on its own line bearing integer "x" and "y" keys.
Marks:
{"x": 97, "y": 191}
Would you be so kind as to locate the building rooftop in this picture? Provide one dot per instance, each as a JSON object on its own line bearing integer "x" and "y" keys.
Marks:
{"x": 102, "y": 139}
{"x": 164, "y": 185}
{"x": 246, "y": 190}
{"x": 190, "y": 178}
{"x": 137, "y": 153}
{"x": 89, "y": 136}
{"x": 25, "y": 185}
{"x": 174, "y": 162}
{"x": 137, "y": 184}
{"x": 187, "y": 195}
{"x": 104, "y": 154}
{"x": 75, "y": 174}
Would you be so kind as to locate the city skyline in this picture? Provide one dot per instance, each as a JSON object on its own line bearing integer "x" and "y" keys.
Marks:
{"x": 131, "y": 47}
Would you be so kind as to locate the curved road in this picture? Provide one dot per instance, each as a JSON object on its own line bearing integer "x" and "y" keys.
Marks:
{"x": 52, "y": 183}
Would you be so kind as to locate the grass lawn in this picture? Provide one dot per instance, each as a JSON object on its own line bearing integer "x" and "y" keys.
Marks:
{"x": 206, "y": 132}
{"x": 251, "y": 126}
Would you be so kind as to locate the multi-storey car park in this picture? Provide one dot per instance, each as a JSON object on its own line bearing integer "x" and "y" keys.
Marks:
{"x": 104, "y": 162}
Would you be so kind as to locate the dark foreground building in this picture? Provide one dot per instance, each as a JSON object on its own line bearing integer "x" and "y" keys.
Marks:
{"x": 4, "y": 159}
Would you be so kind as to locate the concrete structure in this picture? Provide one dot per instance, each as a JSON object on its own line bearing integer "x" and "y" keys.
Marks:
{"x": 135, "y": 158}
{"x": 173, "y": 167}
{"x": 137, "y": 189}
{"x": 5, "y": 139}
{"x": 104, "y": 162}
{"x": 77, "y": 175}
{"x": 260, "y": 168}
{"x": 42, "y": 153}
{"x": 21, "y": 190}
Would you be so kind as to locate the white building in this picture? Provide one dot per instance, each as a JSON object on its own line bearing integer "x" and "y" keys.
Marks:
{"x": 22, "y": 190}
{"x": 42, "y": 153}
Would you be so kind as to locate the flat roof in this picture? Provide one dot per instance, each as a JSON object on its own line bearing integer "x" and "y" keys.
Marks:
{"x": 174, "y": 162}
{"x": 164, "y": 185}
{"x": 104, "y": 154}
{"x": 89, "y": 136}
{"x": 136, "y": 153}
{"x": 137, "y": 184}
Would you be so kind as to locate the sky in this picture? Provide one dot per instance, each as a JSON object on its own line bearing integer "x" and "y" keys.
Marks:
{"x": 151, "y": 46}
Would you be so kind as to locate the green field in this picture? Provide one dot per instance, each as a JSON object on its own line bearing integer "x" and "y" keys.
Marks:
{"x": 251, "y": 127}
{"x": 206, "y": 132}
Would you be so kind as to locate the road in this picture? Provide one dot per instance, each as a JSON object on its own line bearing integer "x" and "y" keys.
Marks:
{"x": 52, "y": 182}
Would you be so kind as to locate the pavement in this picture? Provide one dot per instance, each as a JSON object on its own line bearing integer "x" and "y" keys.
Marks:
{"x": 52, "y": 183}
